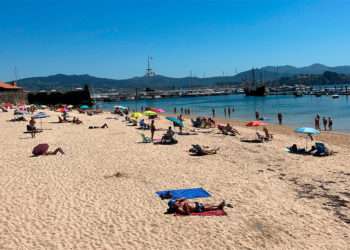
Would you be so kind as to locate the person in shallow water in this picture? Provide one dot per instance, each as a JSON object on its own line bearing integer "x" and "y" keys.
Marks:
{"x": 185, "y": 207}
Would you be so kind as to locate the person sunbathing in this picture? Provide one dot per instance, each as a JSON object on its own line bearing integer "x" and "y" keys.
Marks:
{"x": 185, "y": 207}
{"x": 168, "y": 137}
{"x": 268, "y": 136}
{"x": 43, "y": 149}
{"x": 103, "y": 126}
{"x": 76, "y": 120}
{"x": 18, "y": 119}
{"x": 202, "y": 150}
{"x": 31, "y": 128}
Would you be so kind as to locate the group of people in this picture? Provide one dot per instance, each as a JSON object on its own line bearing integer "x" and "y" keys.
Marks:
{"x": 327, "y": 123}
{"x": 203, "y": 122}
{"x": 183, "y": 111}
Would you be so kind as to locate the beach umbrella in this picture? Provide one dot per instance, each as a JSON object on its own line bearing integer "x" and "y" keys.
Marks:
{"x": 175, "y": 120}
{"x": 149, "y": 113}
{"x": 120, "y": 107}
{"x": 136, "y": 115}
{"x": 40, "y": 149}
{"x": 84, "y": 107}
{"x": 256, "y": 124}
{"x": 61, "y": 110}
{"x": 157, "y": 110}
{"x": 307, "y": 131}
{"x": 40, "y": 115}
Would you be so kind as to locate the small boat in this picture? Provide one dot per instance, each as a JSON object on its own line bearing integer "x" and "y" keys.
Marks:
{"x": 298, "y": 94}
{"x": 335, "y": 96}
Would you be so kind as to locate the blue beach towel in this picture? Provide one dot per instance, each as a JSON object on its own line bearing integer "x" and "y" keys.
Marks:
{"x": 183, "y": 193}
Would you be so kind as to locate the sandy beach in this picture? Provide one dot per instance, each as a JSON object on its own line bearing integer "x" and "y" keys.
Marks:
{"x": 73, "y": 201}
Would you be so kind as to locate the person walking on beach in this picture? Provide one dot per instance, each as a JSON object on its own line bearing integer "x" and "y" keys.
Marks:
{"x": 317, "y": 122}
{"x": 279, "y": 117}
{"x": 257, "y": 116}
{"x": 213, "y": 112}
{"x": 330, "y": 124}
{"x": 153, "y": 129}
{"x": 325, "y": 123}
{"x": 229, "y": 112}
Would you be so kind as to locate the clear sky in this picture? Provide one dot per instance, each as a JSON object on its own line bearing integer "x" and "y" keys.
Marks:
{"x": 113, "y": 38}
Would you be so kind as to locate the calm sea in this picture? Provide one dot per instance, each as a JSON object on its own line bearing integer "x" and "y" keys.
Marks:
{"x": 297, "y": 111}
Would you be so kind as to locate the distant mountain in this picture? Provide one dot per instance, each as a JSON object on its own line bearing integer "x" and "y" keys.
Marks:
{"x": 268, "y": 73}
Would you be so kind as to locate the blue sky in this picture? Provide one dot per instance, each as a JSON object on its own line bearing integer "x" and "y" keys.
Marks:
{"x": 113, "y": 38}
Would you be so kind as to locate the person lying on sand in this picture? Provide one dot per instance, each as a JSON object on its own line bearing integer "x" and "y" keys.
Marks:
{"x": 202, "y": 150}
{"x": 76, "y": 120}
{"x": 185, "y": 207}
{"x": 18, "y": 119}
{"x": 228, "y": 130}
{"x": 43, "y": 149}
{"x": 103, "y": 126}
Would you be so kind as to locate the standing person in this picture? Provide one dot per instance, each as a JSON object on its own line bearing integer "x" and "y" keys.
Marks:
{"x": 325, "y": 122}
{"x": 229, "y": 112}
{"x": 153, "y": 129}
{"x": 225, "y": 111}
{"x": 213, "y": 112}
{"x": 189, "y": 111}
{"x": 279, "y": 117}
{"x": 233, "y": 109}
{"x": 175, "y": 110}
{"x": 180, "y": 126}
{"x": 141, "y": 109}
{"x": 257, "y": 115}
{"x": 181, "y": 110}
{"x": 317, "y": 122}
{"x": 330, "y": 123}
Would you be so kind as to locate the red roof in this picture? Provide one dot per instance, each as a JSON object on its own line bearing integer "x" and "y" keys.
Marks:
{"x": 8, "y": 86}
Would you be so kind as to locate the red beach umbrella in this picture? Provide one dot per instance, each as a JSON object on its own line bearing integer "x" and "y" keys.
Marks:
{"x": 256, "y": 124}
{"x": 40, "y": 149}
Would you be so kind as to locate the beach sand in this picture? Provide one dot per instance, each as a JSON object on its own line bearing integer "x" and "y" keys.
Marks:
{"x": 72, "y": 201}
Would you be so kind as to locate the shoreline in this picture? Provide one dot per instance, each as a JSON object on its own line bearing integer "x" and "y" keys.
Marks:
{"x": 330, "y": 137}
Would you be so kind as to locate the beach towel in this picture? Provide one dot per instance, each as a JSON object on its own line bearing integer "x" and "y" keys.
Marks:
{"x": 219, "y": 212}
{"x": 183, "y": 193}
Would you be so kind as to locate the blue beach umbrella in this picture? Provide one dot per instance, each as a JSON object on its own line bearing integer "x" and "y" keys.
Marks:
{"x": 175, "y": 120}
{"x": 40, "y": 115}
{"x": 121, "y": 107}
{"x": 307, "y": 131}
{"x": 84, "y": 106}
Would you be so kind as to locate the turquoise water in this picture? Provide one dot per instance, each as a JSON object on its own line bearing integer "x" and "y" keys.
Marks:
{"x": 297, "y": 111}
